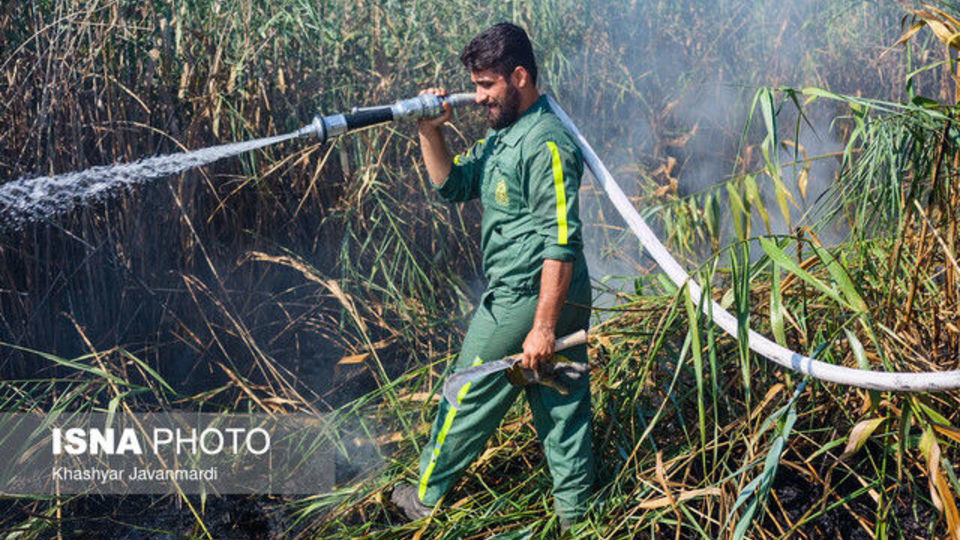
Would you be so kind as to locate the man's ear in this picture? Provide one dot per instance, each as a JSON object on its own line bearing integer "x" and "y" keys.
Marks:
{"x": 520, "y": 77}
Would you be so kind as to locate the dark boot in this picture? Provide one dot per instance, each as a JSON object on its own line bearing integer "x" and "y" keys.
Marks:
{"x": 405, "y": 497}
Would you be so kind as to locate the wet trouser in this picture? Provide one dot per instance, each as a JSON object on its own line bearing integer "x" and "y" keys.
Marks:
{"x": 498, "y": 328}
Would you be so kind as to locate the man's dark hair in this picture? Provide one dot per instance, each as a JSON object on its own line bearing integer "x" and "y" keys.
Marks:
{"x": 502, "y": 48}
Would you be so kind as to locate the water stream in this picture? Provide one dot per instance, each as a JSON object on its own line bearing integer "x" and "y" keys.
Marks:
{"x": 32, "y": 199}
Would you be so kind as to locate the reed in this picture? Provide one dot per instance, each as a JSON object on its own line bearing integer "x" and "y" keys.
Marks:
{"x": 242, "y": 285}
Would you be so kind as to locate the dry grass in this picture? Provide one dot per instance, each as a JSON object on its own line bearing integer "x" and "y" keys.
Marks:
{"x": 227, "y": 285}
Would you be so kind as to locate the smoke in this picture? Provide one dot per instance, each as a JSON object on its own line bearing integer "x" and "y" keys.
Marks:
{"x": 664, "y": 93}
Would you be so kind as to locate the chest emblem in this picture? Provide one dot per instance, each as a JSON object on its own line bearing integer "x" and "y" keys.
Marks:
{"x": 500, "y": 194}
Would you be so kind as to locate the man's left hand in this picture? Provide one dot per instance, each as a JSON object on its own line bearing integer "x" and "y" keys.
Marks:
{"x": 538, "y": 347}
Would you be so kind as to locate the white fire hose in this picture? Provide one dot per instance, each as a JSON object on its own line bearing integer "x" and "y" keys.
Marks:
{"x": 875, "y": 380}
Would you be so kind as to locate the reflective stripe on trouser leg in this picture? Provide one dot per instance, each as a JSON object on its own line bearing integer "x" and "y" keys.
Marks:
{"x": 442, "y": 436}
{"x": 498, "y": 329}
{"x": 494, "y": 333}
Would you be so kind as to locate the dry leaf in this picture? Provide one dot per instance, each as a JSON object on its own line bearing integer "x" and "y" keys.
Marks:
{"x": 948, "y": 431}
{"x": 354, "y": 359}
{"x": 859, "y": 435}
{"x": 939, "y": 488}
{"x": 683, "y": 496}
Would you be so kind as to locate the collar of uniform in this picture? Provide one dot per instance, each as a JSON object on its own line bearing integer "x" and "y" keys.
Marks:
{"x": 512, "y": 134}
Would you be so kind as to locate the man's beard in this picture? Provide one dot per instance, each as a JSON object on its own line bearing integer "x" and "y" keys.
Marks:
{"x": 506, "y": 112}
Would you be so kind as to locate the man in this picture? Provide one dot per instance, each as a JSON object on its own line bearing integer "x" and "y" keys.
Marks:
{"x": 526, "y": 172}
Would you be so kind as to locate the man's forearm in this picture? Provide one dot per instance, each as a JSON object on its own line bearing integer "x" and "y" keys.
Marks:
{"x": 554, "y": 284}
{"x": 435, "y": 154}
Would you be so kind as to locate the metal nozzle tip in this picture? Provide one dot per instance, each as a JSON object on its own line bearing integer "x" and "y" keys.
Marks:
{"x": 315, "y": 128}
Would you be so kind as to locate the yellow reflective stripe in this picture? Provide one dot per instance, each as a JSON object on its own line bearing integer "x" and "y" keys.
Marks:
{"x": 463, "y": 391}
{"x": 457, "y": 158}
{"x": 447, "y": 422}
{"x": 561, "y": 194}
{"x": 442, "y": 436}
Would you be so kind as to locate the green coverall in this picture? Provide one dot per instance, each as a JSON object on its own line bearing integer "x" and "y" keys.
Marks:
{"x": 527, "y": 176}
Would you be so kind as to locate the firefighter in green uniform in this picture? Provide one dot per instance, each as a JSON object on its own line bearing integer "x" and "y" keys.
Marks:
{"x": 526, "y": 172}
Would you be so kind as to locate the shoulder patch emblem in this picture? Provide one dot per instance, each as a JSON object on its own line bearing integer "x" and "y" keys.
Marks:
{"x": 501, "y": 195}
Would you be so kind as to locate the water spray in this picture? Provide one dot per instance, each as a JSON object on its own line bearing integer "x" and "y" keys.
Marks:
{"x": 422, "y": 106}
{"x": 34, "y": 199}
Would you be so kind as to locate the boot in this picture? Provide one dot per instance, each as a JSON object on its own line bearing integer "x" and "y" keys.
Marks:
{"x": 405, "y": 497}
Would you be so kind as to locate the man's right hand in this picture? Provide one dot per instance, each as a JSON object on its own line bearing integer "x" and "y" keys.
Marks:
{"x": 435, "y": 123}
{"x": 436, "y": 156}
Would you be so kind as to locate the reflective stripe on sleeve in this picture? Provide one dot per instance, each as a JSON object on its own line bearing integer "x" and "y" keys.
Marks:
{"x": 561, "y": 194}
{"x": 460, "y": 157}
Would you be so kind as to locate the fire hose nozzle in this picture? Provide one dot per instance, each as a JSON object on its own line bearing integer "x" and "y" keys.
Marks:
{"x": 428, "y": 105}
{"x": 315, "y": 128}
{"x": 422, "y": 106}
{"x": 325, "y": 127}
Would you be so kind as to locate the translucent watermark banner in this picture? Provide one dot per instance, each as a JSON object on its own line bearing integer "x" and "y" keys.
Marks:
{"x": 167, "y": 452}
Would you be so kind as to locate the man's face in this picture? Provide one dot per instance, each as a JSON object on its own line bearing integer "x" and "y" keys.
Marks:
{"x": 499, "y": 95}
